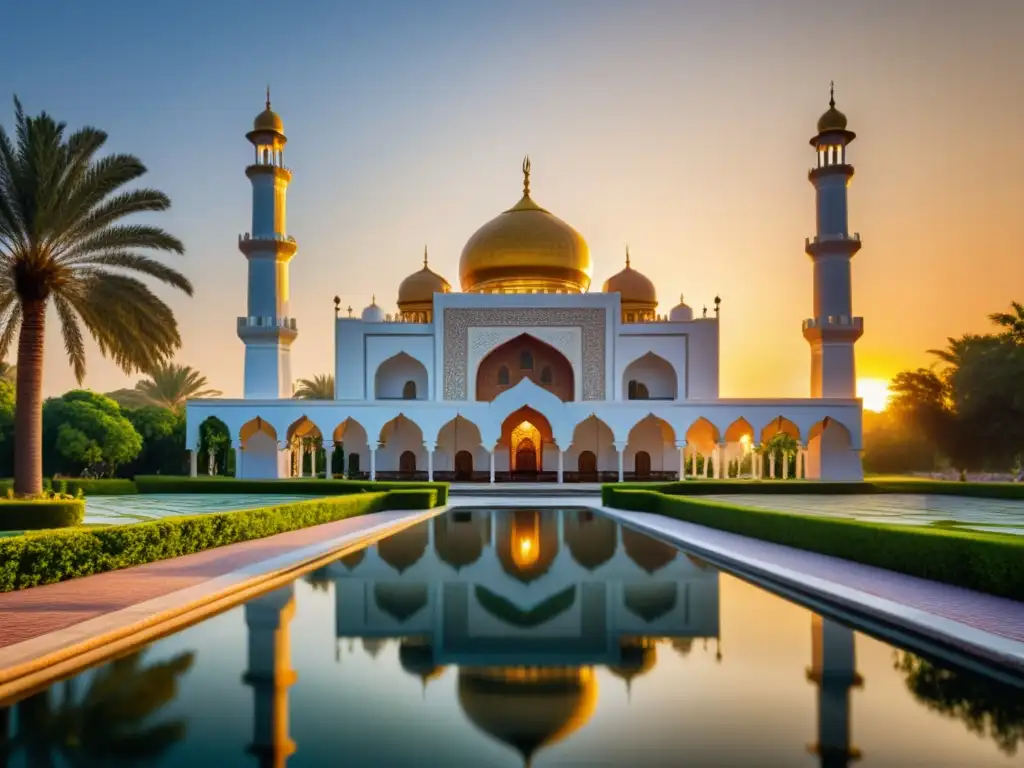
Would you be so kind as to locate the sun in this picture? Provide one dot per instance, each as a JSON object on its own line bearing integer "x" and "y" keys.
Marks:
{"x": 874, "y": 392}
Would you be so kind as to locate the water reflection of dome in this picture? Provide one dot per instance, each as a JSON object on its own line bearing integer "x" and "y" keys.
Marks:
{"x": 374, "y": 645}
{"x": 646, "y": 551}
{"x": 460, "y": 542}
{"x": 352, "y": 559}
{"x": 639, "y": 655}
{"x": 416, "y": 655}
{"x": 591, "y": 538}
{"x": 527, "y": 543}
{"x": 651, "y": 601}
{"x": 400, "y": 601}
{"x": 403, "y": 550}
{"x": 528, "y": 708}
{"x": 683, "y": 645}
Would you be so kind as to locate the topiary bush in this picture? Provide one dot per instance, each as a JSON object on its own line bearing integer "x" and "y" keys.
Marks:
{"x": 312, "y": 486}
{"x": 37, "y": 514}
{"x": 105, "y": 486}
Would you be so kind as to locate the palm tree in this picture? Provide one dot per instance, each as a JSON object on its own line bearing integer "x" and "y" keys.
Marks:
{"x": 8, "y": 372}
{"x": 62, "y": 241}
{"x": 169, "y": 385}
{"x": 317, "y": 388}
{"x": 1013, "y": 321}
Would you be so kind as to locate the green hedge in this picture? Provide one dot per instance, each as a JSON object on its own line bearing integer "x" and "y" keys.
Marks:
{"x": 36, "y": 514}
{"x": 100, "y": 487}
{"x": 207, "y": 484}
{"x": 986, "y": 562}
{"x": 804, "y": 487}
{"x": 52, "y": 556}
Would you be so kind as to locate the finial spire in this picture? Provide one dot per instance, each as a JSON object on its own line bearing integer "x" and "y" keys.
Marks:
{"x": 832, "y": 94}
{"x": 526, "y": 176}
{"x": 268, "y": 97}
{"x": 627, "y": 257}
{"x": 424, "y": 256}
{"x": 373, "y": 299}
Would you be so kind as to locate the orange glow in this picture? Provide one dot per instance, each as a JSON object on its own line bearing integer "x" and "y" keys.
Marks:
{"x": 874, "y": 392}
{"x": 526, "y": 541}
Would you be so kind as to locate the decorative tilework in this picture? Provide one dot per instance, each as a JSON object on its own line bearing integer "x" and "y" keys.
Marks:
{"x": 457, "y": 322}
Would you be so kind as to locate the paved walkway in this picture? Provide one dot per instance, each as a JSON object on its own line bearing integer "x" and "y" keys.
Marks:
{"x": 992, "y": 515}
{"x": 30, "y": 613}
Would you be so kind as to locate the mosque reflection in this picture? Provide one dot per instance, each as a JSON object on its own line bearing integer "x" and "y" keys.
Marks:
{"x": 529, "y": 605}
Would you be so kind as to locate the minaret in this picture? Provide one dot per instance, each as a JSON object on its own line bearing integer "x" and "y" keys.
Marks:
{"x": 833, "y": 329}
{"x": 268, "y": 331}
{"x": 834, "y": 671}
{"x": 270, "y": 675}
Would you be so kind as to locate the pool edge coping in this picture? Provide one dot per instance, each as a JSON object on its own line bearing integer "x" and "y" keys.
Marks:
{"x": 988, "y": 646}
{"x": 68, "y": 650}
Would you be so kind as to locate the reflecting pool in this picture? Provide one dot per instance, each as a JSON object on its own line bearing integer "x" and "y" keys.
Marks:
{"x": 511, "y": 638}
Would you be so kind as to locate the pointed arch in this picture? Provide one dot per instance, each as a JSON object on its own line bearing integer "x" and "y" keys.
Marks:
{"x": 780, "y": 424}
{"x": 260, "y": 455}
{"x": 650, "y": 449}
{"x": 525, "y": 357}
{"x": 401, "y": 436}
{"x": 650, "y": 377}
{"x": 351, "y": 449}
{"x": 831, "y": 454}
{"x": 592, "y": 451}
{"x": 459, "y": 451}
{"x": 399, "y": 375}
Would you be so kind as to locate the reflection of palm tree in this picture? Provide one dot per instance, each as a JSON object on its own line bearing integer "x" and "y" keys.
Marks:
{"x": 110, "y": 723}
{"x": 985, "y": 706}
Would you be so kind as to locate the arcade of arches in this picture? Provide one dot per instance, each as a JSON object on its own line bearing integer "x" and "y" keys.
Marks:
{"x": 527, "y": 450}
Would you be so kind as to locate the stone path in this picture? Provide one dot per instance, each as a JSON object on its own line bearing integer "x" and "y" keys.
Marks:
{"x": 117, "y": 510}
{"x": 992, "y": 515}
{"x": 30, "y": 613}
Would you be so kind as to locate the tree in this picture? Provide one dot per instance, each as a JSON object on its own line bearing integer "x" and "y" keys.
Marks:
{"x": 8, "y": 372}
{"x": 171, "y": 385}
{"x": 320, "y": 387}
{"x": 84, "y": 430}
{"x": 214, "y": 441}
{"x": 1012, "y": 321}
{"x": 781, "y": 445}
{"x": 62, "y": 241}
{"x": 163, "y": 441}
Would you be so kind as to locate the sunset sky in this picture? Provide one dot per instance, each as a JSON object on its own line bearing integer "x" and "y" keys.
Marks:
{"x": 680, "y": 128}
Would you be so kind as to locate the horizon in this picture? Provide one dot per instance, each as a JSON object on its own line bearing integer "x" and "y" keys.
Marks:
{"x": 691, "y": 147}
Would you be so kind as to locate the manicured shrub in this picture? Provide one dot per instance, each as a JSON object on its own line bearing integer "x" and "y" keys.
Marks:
{"x": 45, "y": 558}
{"x": 106, "y": 486}
{"x": 981, "y": 561}
{"x": 312, "y": 486}
{"x": 36, "y": 514}
{"x": 411, "y": 498}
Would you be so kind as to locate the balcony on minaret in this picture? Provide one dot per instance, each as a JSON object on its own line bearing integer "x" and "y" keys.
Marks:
{"x": 842, "y": 242}
{"x": 256, "y": 327}
{"x": 283, "y": 247}
{"x": 833, "y": 328}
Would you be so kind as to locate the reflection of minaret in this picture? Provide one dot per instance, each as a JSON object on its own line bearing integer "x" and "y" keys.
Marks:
{"x": 270, "y": 674}
{"x": 834, "y": 671}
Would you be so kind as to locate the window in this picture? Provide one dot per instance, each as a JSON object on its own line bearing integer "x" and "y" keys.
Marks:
{"x": 503, "y": 376}
{"x": 637, "y": 390}
{"x": 642, "y": 464}
{"x": 545, "y": 375}
{"x": 409, "y": 390}
{"x": 526, "y": 361}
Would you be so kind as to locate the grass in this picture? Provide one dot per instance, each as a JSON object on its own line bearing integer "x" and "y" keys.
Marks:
{"x": 914, "y": 486}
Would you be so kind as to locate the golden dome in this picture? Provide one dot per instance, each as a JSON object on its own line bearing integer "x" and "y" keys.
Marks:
{"x": 420, "y": 287}
{"x": 526, "y": 249}
{"x": 833, "y": 119}
{"x": 268, "y": 119}
{"x": 634, "y": 287}
{"x": 528, "y": 708}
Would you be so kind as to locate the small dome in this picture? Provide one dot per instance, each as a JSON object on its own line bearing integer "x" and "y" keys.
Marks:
{"x": 681, "y": 312}
{"x": 634, "y": 287}
{"x": 373, "y": 313}
{"x": 420, "y": 287}
{"x": 833, "y": 119}
{"x": 268, "y": 119}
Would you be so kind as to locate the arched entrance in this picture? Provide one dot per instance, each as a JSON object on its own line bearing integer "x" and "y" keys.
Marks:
{"x": 463, "y": 466}
{"x": 525, "y": 436}
{"x": 525, "y": 357}
{"x": 407, "y": 463}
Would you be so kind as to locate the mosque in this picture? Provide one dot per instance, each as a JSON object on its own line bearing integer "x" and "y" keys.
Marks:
{"x": 525, "y": 373}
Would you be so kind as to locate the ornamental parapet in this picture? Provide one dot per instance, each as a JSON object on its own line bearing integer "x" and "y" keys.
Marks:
{"x": 834, "y": 327}
{"x": 255, "y": 321}
{"x": 262, "y": 169}
{"x": 277, "y": 329}
{"x": 836, "y": 169}
{"x": 283, "y": 246}
{"x": 838, "y": 243}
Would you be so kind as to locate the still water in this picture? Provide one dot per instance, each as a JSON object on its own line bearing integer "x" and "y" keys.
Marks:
{"x": 511, "y": 638}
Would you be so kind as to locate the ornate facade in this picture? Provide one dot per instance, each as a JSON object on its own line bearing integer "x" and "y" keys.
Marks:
{"x": 524, "y": 374}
